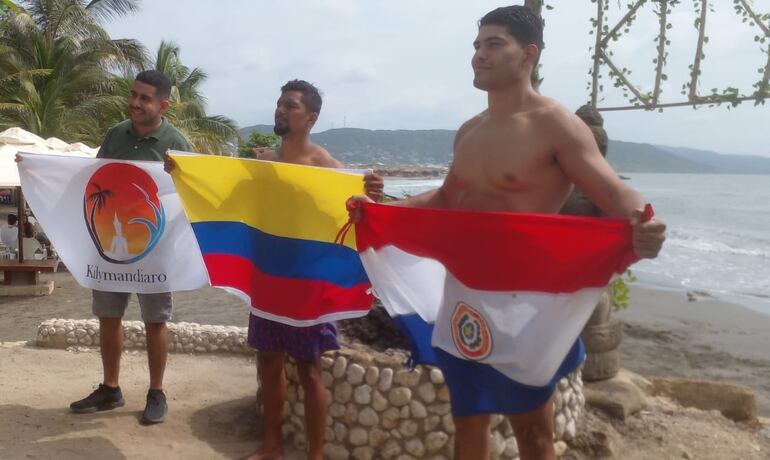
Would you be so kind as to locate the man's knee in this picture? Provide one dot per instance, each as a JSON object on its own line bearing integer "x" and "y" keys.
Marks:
{"x": 309, "y": 373}
{"x": 270, "y": 365}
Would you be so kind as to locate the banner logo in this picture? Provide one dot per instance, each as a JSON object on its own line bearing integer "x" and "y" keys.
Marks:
{"x": 470, "y": 332}
{"x": 123, "y": 214}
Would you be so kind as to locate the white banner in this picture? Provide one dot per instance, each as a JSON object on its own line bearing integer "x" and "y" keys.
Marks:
{"x": 117, "y": 225}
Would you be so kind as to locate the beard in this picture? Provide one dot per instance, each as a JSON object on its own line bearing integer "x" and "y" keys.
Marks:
{"x": 281, "y": 129}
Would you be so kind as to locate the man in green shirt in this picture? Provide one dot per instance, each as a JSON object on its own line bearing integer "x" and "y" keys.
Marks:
{"x": 146, "y": 136}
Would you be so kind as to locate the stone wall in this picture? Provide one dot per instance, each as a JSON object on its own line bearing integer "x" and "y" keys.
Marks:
{"x": 379, "y": 409}
{"x": 183, "y": 337}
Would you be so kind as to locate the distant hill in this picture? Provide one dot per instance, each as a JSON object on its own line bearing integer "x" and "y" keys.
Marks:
{"x": 434, "y": 148}
{"x": 735, "y": 164}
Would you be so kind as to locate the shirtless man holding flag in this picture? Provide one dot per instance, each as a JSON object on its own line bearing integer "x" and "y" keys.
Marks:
{"x": 524, "y": 153}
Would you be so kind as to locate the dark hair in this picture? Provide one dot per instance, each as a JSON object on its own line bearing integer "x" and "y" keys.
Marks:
{"x": 310, "y": 95}
{"x": 157, "y": 79}
{"x": 12, "y": 219}
{"x": 595, "y": 121}
{"x": 520, "y": 22}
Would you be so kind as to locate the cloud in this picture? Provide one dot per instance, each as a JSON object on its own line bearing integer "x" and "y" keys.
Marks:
{"x": 406, "y": 64}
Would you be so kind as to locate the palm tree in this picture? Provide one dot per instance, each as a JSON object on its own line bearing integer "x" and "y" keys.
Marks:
{"x": 57, "y": 63}
{"x": 98, "y": 200}
{"x": 187, "y": 108}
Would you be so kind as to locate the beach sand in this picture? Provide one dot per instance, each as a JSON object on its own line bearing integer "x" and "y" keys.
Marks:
{"x": 212, "y": 397}
{"x": 667, "y": 335}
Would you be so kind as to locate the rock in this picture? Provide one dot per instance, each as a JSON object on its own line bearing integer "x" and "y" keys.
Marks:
{"x": 560, "y": 447}
{"x": 443, "y": 394}
{"x": 351, "y": 413}
{"x": 408, "y": 428}
{"x": 372, "y": 375}
{"x": 340, "y": 431}
{"x": 390, "y": 417}
{"x": 448, "y": 423}
{"x": 359, "y": 436}
{"x": 497, "y": 444}
{"x": 559, "y": 423}
{"x": 617, "y": 397}
{"x": 417, "y": 409}
{"x": 439, "y": 408}
{"x": 336, "y": 452}
{"x": 390, "y": 449}
{"x": 641, "y": 382}
{"x": 355, "y": 374}
{"x": 735, "y": 402}
{"x": 436, "y": 376}
{"x": 601, "y": 366}
{"x": 408, "y": 378}
{"x": 368, "y": 417}
{"x": 431, "y": 423}
{"x": 400, "y": 396}
{"x": 362, "y": 394}
{"x": 405, "y": 412}
{"x": 379, "y": 403}
{"x": 511, "y": 448}
{"x": 570, "y": 430}
{"x": 340, "y": 365}
{"x": 415, "y": 447}
{"x": 328, "y": 433}
{"x": 363, "y": 453}
{"x": 336, "y": 409}
{"x": 386, "y": 379}
{"x": 327, "y": 378}
{"x": 435, "y": 441}
{"x": 343, "y": 392}
{"x": 602, "y": 337}
{"x": 326, "y": 363}
{"x": 377, "y": 436}
{"x": 427, "y": 392}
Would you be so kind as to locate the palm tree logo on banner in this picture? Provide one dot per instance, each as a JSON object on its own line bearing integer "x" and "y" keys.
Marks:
{"x": 123, "y": 214}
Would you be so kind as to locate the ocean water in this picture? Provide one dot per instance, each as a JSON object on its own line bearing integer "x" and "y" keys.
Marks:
{"x": 718, "y": 233}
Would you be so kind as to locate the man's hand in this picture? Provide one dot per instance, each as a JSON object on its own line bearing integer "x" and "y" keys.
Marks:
{"x": 648, "y": 236}
{"x": 168, "y": 163}
{"x": 373, "y": 186}
{"x": 18, "y": 158}
{"x": 353, "y": 206}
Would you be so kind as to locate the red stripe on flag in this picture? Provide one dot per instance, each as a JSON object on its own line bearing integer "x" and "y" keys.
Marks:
{"x": 500, "y": 251}
{"x": 298, "y": 299}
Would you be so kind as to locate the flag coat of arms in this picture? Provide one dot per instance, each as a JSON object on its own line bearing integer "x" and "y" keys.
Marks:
{"x": 512, "y": 291}
{"x": 267, "y": 233}
{"x": 117, "y": 225}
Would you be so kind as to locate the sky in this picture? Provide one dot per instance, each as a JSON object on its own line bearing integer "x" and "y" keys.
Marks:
{"x": 405, "y": 64}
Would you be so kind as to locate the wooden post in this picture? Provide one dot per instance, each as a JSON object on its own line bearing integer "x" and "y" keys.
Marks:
{"x": 20, "y": 223}
{"x": 537, "y": 7}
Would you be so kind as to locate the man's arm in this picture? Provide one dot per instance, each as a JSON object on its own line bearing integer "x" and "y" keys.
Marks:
{"x": 580, "y": 159}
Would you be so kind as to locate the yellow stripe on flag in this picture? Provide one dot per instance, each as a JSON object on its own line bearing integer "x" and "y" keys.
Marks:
{"x": 281, "y": 199}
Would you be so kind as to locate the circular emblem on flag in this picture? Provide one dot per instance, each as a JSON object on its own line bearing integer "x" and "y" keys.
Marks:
{"x": 122, "y": 211}
{"x": 470, "y": 332}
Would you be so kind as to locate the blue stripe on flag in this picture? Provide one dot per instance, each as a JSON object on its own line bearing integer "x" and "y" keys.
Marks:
{"x": 418, "y": 333}
{"x": 281, "y": 256}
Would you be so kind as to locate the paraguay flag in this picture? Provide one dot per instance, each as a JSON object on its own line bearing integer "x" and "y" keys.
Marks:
{"x": 508, "y": 291}
{"x": 267, "y": 234}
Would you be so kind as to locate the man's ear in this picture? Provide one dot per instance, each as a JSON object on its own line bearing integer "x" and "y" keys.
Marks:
{"x": 164, "y": 105}
{"x": 313, "y": 117}
{"x": 532, "y": 52}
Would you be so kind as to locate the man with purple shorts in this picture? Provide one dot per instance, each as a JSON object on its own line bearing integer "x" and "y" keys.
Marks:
{"x": 296, "y": 113}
